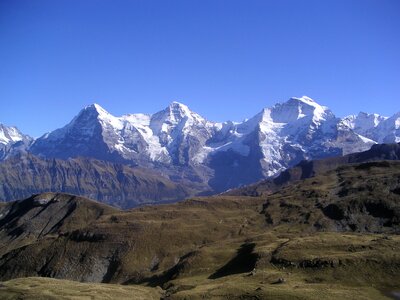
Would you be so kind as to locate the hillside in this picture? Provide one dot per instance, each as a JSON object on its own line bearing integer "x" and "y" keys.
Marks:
{"x": 311, "y": 168}
{"x": 331, "y": 236}
{"x": 357, "y": 197}
{"x": 47, "y": 288}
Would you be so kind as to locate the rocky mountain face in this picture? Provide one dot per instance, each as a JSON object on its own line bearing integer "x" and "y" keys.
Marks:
{"x": 118, "y": 184}
{"x": 213, "y": 157}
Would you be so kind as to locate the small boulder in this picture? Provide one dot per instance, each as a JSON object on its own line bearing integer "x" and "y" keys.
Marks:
{"x": 280, "y": 280}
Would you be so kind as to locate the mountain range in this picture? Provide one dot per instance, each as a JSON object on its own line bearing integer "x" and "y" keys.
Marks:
{"x": 207, "y": 157}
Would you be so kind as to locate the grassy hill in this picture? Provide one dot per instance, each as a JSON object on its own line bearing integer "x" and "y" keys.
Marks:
{"x": 312, "y": 168}
{"x": 331, "y": 236}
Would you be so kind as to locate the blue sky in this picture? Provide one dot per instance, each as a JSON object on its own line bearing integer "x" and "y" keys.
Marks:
{"x": 224, "y": 59}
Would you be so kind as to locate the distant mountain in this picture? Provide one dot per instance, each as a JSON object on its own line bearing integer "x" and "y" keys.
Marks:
{"x": 289, "y": 132}
{"x": 211, "y": 156}
{"x": 116, "y": 184}
{"x": 164, "y": 137}
{"x": 375, "y": 127}
{"x": 12, "y": 141}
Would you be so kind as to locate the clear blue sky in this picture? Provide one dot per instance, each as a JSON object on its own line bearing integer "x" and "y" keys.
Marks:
{"x": 224, "y": 59}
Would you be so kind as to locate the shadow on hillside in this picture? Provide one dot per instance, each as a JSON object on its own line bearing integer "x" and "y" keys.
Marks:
{"x": 244, "y": 261}
{"x": 170, "y": 274}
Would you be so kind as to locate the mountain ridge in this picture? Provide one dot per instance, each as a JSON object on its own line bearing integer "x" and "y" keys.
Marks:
{"x": 116, "y": 184}
{"x": 186, "y": 147}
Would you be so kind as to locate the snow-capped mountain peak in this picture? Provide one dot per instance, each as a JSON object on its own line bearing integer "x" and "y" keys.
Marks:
{"x": 178, "y": 106}
{"x": 177, "y": 111}
{"x": 93, "y": 110}
{"x": 299, "y": 108}
{"x": 364, "y": 121}
{"x": 176, "y": 115}
{"x": 372, "y": 119}
{"x": 306, "y": 100}
{"x": 388, "y": 130}
{"x": 105, "y": 118}
{"x": 12, "y": 141}
{"x": 183, "y": 143}
{"x": 367, "y": 125}
{"x": 96, "y": 107}
{"x": 9, "y": 134}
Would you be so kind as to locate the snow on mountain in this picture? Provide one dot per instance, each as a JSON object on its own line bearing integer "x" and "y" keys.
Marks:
{"x": 185, "y": 146}
{"x": 12, "y": 141}
{"x": 10, "y": 135}
{"x": 161, "y": 137}
{"x": 94, "y": 132}
{"x": 303, "y": 108}
{"x": 83, "y": 136}
{"x": 137, "y": 128}
{"x": 375, "y": 127}
{"x": 364, "y": 124}
{"x": 388, "y": 131}
{"x": 279, "y": 136}
{"x": 285, "y": 134}
{"x": 182, "y": 132}
{"x": 175, "y": 116}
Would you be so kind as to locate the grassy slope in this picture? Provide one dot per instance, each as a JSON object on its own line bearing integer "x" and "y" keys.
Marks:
{"x": 364, "y": 266}
{"x": 47, "y": 288}
{"x": 206, "y": 248}
{"x": 348, "y": 266}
